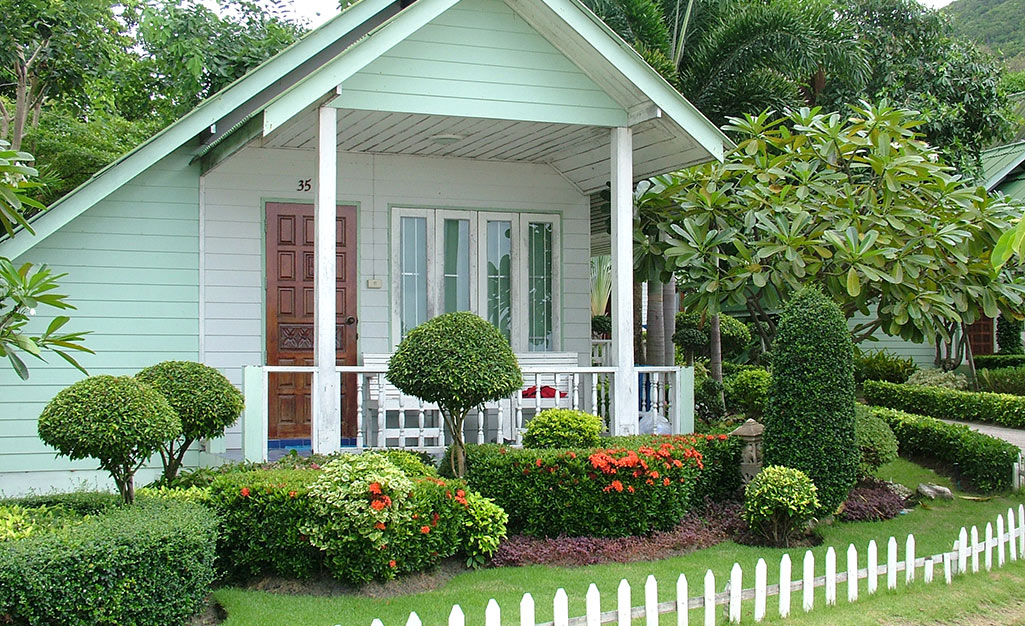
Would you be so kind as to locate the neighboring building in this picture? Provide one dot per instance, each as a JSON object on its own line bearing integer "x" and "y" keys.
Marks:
{"x": 442, "y": 152}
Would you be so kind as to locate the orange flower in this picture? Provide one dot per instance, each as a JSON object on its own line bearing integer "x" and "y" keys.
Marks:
{"x": 631, "y": 489}
{"x": 375, "y": 488}
{"x": 460, "y": 493}
{"x": 245, "y": 492}
{"x": 539, "y": 463}
{"x": 378, "y": 505}
{"x": 425, "y": 529}
{"x": 391, "y": 563}
{"x": 653, "y": 474}
{"x": 723, "y": 437}
{"x": 618, "y": 486}
{"x": 291, "y": 494}
{"x": 665, "y": 481}
{"x": 572, "y": 455}
{"x": 379, "y": 526}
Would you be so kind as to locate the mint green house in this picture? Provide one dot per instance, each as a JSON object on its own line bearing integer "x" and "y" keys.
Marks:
{"x": 404, "y": 160}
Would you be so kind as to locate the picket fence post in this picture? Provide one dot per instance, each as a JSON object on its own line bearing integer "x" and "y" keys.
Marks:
{"x": 1021, "y": 530}
{"x": 852, "y": 573}
{"x": 830, "y": 576}
{"x": 927, "y": 573}
{"x": 785, "y": 568}
{"x": 873, "y": 567}
{"x": 709, "y": 598}
{"x": 376, "y": 622}
{"x": 492, "y": 614}
{"x": 623, "y": 601}
{"x": 527, "y": 610}
{"x": 891, "y": 564}
{"x": 650, "y": 601}
{"x": 1001, "y": 543}
{"x": 761, "y": 576}
{"x": 809, "y": 582}
{"x": 1011, "y": 529}
{"x": 948, "y": 574}
{"x": 682, "y": 601}
{"x": 909, "y": 560}
{"x": 962, "y": 551}
{"x": 736, "y": 587}
{"x": 592, "y": 603}
{"x": 414, "y": 619}
{"x": 456, "y": 617}
{"x": 975, "y": 550}
{"x": 989, "y": 547}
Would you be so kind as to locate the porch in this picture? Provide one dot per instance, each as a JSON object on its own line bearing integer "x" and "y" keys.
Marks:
{"x": 386, "y": 418}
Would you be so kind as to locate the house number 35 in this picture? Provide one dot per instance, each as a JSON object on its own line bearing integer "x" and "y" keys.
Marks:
{"x": 304, "y": 184}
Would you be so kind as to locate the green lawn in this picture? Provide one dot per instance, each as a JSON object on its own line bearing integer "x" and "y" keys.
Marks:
{"x": 935, "y": 530}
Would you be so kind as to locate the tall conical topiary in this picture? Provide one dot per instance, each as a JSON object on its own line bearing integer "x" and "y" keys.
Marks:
{"x": 809, "y": 417}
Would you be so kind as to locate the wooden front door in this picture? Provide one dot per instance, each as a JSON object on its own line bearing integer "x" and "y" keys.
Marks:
{"x": 290, "y": 314}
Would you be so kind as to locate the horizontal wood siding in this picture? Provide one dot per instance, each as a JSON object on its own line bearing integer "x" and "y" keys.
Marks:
{"x": 132, "y": 272}
{"x": 480, "y": 59}
{"x": 234, "y": 197}
{"x": 922, "y": 353}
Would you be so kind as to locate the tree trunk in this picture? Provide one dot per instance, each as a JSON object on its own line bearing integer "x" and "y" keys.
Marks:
{"x": 970, "y": 357}
{"x": 21, "y": 106}
{"x": 670, "y": 302}
{"x": 656, "y": 348}
{"x": 715, "y": 353}
{"x": 638, "y": 329}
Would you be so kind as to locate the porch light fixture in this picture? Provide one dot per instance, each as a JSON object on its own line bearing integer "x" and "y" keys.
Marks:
{"x": 446, "y": 140}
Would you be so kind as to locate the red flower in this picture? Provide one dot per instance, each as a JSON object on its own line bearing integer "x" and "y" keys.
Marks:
{"x": 618, "y": 486}
{"x": 391, "y": 563}
{"x": 245, "y": 492}
{"x": 386, "y": 500}
{"x": 416, "y": 516}
{"x": 378, "y": 505}
{"x": 434, "y": 519}
{"x": 723, "y": 437}
{"x": 291, "y": 494}
{"x": 502, "y": 450}
{"x": 379, "y": 526}
{"x": 539, "y": 463}
{"x": 631, "y": 489}
{"x": 665, "y": 481}
{"x": 572, "y": 455}
{"x": 375, "y": 488}
{"x": 425, "y": 529}
{"x": 314, "y": 466}
{"x": 460, "y": 493}
{"x": 653, "y": 474}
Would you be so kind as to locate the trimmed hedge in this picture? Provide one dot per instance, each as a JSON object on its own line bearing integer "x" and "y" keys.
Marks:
{"x": 971, "y": 406}
{"x": 563, "y": 428}
{"x": 1003, "y": 380}
{"x": 149, "y": 564}
{"x": 986, "y": 462}
{"x": 631, "y": 487}
{"x": 990, "y": 361}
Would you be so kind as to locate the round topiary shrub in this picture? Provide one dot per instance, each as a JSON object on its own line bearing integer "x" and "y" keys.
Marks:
{"x": 563, "y": 428}
{"x": 206, "y": 403}
{"x": 119, "y": 421}
{"x": 809, "y": 417}
{"x": 746, "y": 392}
{"x": 692, "y": 335}
{"x": 601, "y": 325}
{"x": 457, "y": 361}
{"x": 778, "y": 502}
{"x": 876, "y": 441}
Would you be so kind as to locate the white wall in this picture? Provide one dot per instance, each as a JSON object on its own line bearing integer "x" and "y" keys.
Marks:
{"x": 233, "y": 224}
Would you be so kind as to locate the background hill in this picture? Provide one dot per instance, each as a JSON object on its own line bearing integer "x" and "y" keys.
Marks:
{"x": 998, "y": 25}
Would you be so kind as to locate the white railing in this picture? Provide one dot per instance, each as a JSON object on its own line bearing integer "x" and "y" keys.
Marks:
{"x": 965, "y": 558}
{"x": 601, "y": 352}
{"x": 387, "y": 418}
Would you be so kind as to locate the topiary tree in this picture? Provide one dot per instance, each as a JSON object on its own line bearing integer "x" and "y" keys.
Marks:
{"x": 563, "y": 428}
{"x": 457, "y": 361}
{"x": 117, "y": 420}
{"x": 1009, "y": 335}
{"x": 809, "y": 417}
{"x": 204, "y": 399}
{"x": 693, "y": 335}
{"x": 876, "y": 442}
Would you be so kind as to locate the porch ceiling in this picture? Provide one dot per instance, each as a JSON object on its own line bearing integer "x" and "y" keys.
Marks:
{"x": 580, "y": 153}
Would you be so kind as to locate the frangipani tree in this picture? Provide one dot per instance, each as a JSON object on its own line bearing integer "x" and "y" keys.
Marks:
{"x": 856, "y": 204}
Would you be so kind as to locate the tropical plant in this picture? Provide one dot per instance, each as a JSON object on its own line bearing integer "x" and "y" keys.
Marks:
{"x": 809, "y": 417}
{"x": 601, "y": 284}
{"x": 119, "y": 421}
{"x": 204, "y": 399}
{"x": 457, "y": 361}
{"x": 855, "y": 204}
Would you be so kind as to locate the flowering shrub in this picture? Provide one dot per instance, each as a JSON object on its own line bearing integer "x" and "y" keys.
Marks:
{"x": 563, "y": 428}
{"x": 631, "y": 487}
{"x": 778, "y": 502}
{"x": 261, "y": 515}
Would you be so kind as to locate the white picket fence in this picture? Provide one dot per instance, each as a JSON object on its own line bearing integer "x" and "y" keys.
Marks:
{"x": 1007, "y": 542}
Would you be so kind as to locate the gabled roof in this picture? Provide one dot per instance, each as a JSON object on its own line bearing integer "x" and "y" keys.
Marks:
{"x": 310, "y": 70}
{"x": 998, "y": 162}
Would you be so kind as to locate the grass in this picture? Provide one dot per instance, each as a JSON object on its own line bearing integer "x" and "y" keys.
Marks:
{"x": 935, "y": 529}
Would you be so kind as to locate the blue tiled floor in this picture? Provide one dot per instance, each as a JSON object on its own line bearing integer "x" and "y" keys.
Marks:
{"x": 277, "y": 448}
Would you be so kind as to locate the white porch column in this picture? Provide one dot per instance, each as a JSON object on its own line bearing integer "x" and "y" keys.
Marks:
{"x": 327, "y": 424}
{"x": 625, "y": 388}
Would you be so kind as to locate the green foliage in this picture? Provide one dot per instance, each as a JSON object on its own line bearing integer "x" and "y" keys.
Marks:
{"x": 985, "y": 462}
{"x": 747, "y": 391}
{"x": 601, "y": 325}
{"x": 148, "y": 564}
{"x": 809, "y": 418}
{"x": 882, "y": 365}
{"x": 204, "y": 399}
{"x": 117, "y": 420}
{"x": 693, "y": 334}
{"x": 262, "y": 513}
{"x": 876, "y": 442}
{"x": 482, "y": 529}
{"x": 16, "y": 522}
{"x": 993, "y": 361}
{"x": 996, "y": 25}
{"x": 563, "y": 428}
{"x": 457, "y": 361}
{"x": 1009, "y": 332}
{"x": 598, "y": 492}
{"x": 412, "y": 464}
{"x": 16, "y": 173}
{"x": 1003, "y": 380}
{"x": 811, "y": 197}
{"x": 778, "y": 503}
{"x": 971, "y": 406}
{"x": 937, "y": 378}
{"x": 708, "y": 395}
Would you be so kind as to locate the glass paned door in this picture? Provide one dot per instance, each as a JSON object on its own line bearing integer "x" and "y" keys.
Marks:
{"x": 413, "y": 272}
{"x": 456, "y": 270}
{"x": 499, "y": 275}
{"x": 539, "y": 286}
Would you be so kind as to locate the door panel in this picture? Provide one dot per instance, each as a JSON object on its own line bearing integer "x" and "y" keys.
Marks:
{"x": 290, "y": 314}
